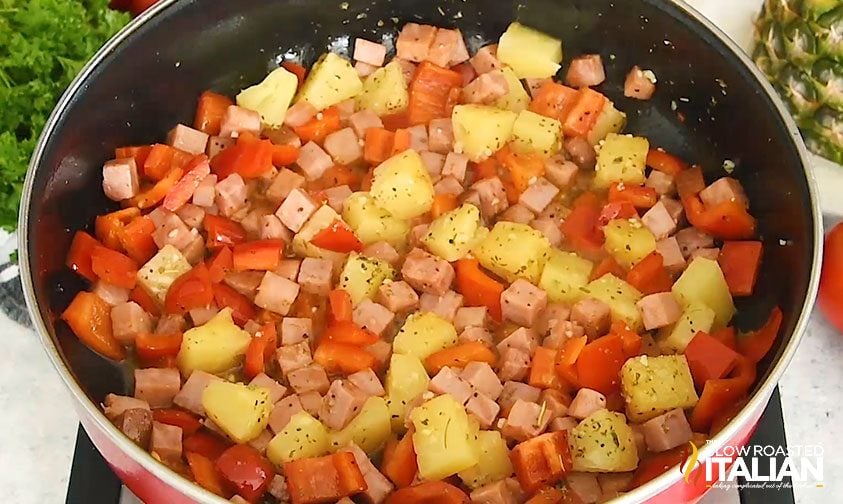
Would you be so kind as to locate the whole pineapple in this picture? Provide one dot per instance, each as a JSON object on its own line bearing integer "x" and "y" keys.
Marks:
{"x": 799, "y": 46}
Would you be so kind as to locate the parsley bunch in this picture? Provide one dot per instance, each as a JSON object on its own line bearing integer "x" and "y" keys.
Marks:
{"x": 43, "y": 45}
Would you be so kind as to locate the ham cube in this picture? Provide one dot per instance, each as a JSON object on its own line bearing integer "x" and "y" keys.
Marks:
{"x": 492, "y": 196}
{"x": 524, "y": 421}
{"x": 192, "y": 215}
{"x": 188, "y": 139}
{"x": 584, "y": 487}
{"x": 550, "y": 230}
{"x": 346, "y": 109}
{"x": 372, "y": 316}
{"x": 639, "y": 85}
{"x": 417, "y": 233}
{"x": 244, "y": 282}
{"x": 483, "y": 408}
{"x": 445, "y": 306}
{"x": 480, "y": 334}
{"x": 498, "y": 492}
{"x": 448, "y": 48}
{"x": 169, "y": 324}
{"x": 613, "y": 485}
{"x": 115, "y": 405}
{"x": 564, "y": 423}
{"x": 674, "y": 208}
{"x": 238, "y": 120}
{"x": 344, "y": 146}
{"x": 722, "y": 190}
{"x": 283, "y": 411}
{"x": 427, "y": 273}
{"x": 165, "y": 442}
{"x": 585, "y": 71}
{"x": 368, "y": 382}
{"x": 671, "y": 253}
{"x": 593, "y": 315}
{"x": 295, "y": 330}
{"x": 283, "y": 184}
{"x": 299, "y": 114}
{"x": 293, "y": 357}
{"x": 110, "y": 293}
{"x": 398, "y": 297}
{"x": 289, "y": 269}
{"x": 661, "y": 182}
{"x": 711, "y": 253}
{"x": 271, "y": 228}
{"x": 206, "y": 192}
{"x": 259, "y": 443}
{"x": 278, "y": 489}
{"x": 582, "y": 153}
{"x": 447, "y": 381}
{"x": 483, "y": 379}
{"x": 311, "y": 378}
{"x": 336, "y": 196}
{"x": 448, "y": 185}
{"x": 217, "y": 144}
{"x": 363, "y": 120}
{"x": 475, "y": 316}
{"x": 659, "y": 310}
{"x": 667, "y": 431}
{"x": 522, "y": 302}
{"x": 276, "y": 293}
{"x": 659, "y": 221}
{"x": 560, "y": 172}
{"x": 120, "y": 179}
{"x": 486, "y": 59}
{"x": 136, "y": 424}
{"x": 555, "y": 403}
{"x": 539, "y": 195}
{"x": 521, "y": 338}
{"x": 190, "y": 395}
{"x": 518, "y": 213}
{"x": 313, "y": 161}
{"x": 341, "y": 404}
{"x": 586, "y": 402}
{"x": 513, "y": 391}
{"x": 514, "y": 364}
{"x": 378, "y": 486}
{"x": 440, "y": 135}
{"x": 157, "y": 386}
{"x": 128, "y": 320}
{"x": 434, "y": 163}
{"x": 172, "y": 231}
{"x": 486, "y": 89}
{"x": 691, "y": 239}
{"x": 553, "y": 315}
{"x": 315, "y": 275}
{"x": 296, "y": 209}
{"x": 455, "y": 166}
{"x": 276, "y": 390}
{"x": 418, "y": 138}
{"x": 562, "y": 332}
{"x": 382, "y": 352}
{"x": 231, "y": 194}
{"x": 383, "y": 251}
{"x": 414, "y": 42}
{"x": 311, "y": 402}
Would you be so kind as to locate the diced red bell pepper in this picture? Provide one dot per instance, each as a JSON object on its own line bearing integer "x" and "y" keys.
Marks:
{"x": 756, "y": 344}
{"x": 108, "y": 227}
{"x": 617, "y": 210}
{"x": 210, "y": 111}
{"x": 79, "y": 256}
{"x": 325, "y": 479}
{"x": 348, "y": 332}
{"x": 727, "y": 336}
{"x": 188, "y": 422}
{"x": 113, "y": 267}
{"x": 261, "y": 348}
{"x": 459, "y": 356}
{"x": 543, "y": 368}
{"x": 553, "y": 100}
{"x": 194, "y": 173}
{"x": 337, "y": 237}
{"x": 315, "y": 130}
{"x": 89, "y": 317}
{"x": 582, "y": 227}
{"x": 523, "y": 168}
{"x": 399, "y": 460}
{"x": 205, "y": 443}
{"x": 158, "y": 162}
{"x": 223, "y": 232}
{"x": 740, "y": 262}
{"x": 190, "y": 290}
{"x": 728, "y": 220}
{"x": 221, "y": 263}
{"x": 340, "y": 306}
{"x": 298, "y": 70}
{"x": 690, "y": 182}
{"x": 284, "y": 155}
{"x": 654, "y": 465}
{"x": 609, "y": 265}
{"x": 343, "y": 358}
{"x": 139, "y": 153}
{"x": 630, "y": 340}
{"x": 639, "y": 196}
{"x": 243, "y": 310}
{"x": 145, "y": 300}
{"x": 429, "y": 492}
{"x": 151, "y": 196}
{"x": 718, "y": 395}
{"x": 709, "y": 359}
{"x": 245, "y": 469}
{"x": 599, "y": 364}
{"x": 649, "y": 276}
{"x": 429, "y": 91}
{"x": 249, "y": 158}
{"x": 478, "y": 288}
{"x": 664, "y": 162}
{"x": 261, "y": 255}
{"x": 584, "y": 113}
{"x": 566, "y": 359}
{"x": 137, "y": 240}
{"x": 153, "y": 346}
{"x": 205, "y": 473}
{"x": 541, "y": 461}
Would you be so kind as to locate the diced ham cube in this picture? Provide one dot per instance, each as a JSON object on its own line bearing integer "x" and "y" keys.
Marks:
{"x": 447, "y": 381}
{"x": 584, "y": 486}
{"x": 533, "y": 85}
{"x": 398, "y": 297}
{"x": 295, "y": 330}
{"x": 711, "y": 253}
{"x": 244, "y": 282}
{"x": 383, "y": 251}
{"x": 382, "y": 351}
{"x": 372, "y": 316}
{"x": 378, "y": 486}
{"x": 276, "y": 293}
{"x": 417, "y": 233}
{"x": 136, "y": 424}
{"x": 638, "y": 438}
{"x": 120, "y": 179}
{"x": 446, "y": 44}
{"x": 172, "y": 231}
{"x": 440, "y": 135}
{"x": 128, "y": 320}
{"x": 276, "y": 390}
{"x": 187, "y": 139}
{"x": 554, "y": 314}
{"x": 292, "y": 357}
{"x": 313, "y": 161}
{"x": 252, "y": 327}
{"x": 582, "y": 153}
{"x": 344, "y": 146}
{"x": 311, "y": 402}
{"x": 289, "y": 269}
{"x": 514, "y": 364}
{"x": 562, "y": 332}
{"x": 483, "y": 379}
{"x": 661, "y": 182}
{"x": 434, "y": 163}
{"x": 586, "y": 402}
{"x": 474, "y": 316}
{"x": 427, "y": 273}
{"x": 486, "y": 89}
{"x": 283, "y": 184}
{"x": 231, "y": 194}
{"x": 585, "y": 71}
{"x": 638, "y": 85}
{"x": 556, "y": 212}
{"x": 278, "y": 489}
{"x": 522, "y": 302}
{"x": 448, "y": 185}
{"x": 336, "y": 196}
{"x": 445, "y": 306}
{"x": 691, "y": 239}
{"x": 513, "y": 391}
{"x": 251, "y": 222}
{"x": 283, "y": 411}
{"x": 486, "y": 59}
{"x": 492, "y": 196}
{"x": 494, "y": 493}
{"x": 271, "y": 228}
{"x": 368, "y": 382}
{"x": 299, "y": 114}
{"x": 315, "y": 275}
{"x": 283, "y": 135}
{"x": 259, "y": 443}
{"x": 667, "y": 431}
{"x": 594, "y": 315}
{"x": 418, "y": 138}
{"x": 165, "y": 441}
{"x": 110, "y": 293}
{"x": 722, "y": 190}
{"x": 521, "y": 338}
{"x": 455, "y": 166}
{"x": 408, "y": 69}
{"x": 115, "y": 405}
{"x": 483, "y": 408}
{"x": 659, "y": 221}
{"x": 238, "y": 120}
{"x": 192, "y": 215}
{"x": 296, "y": 209}
{"x": 560, "y": 172}
{"x": 480, "y": 334}
{"x": 363, "y": 120}
{"x": 190, "y": 395}
{"x": 194, "y": 252}
{"x": 669, "y": 249}
{"x": 549, "y": 229}
{"x": 674, "y": 208}
{"x": 206, "y": 193}
{"x": 524, "y": 421}
{"x": 342, "y": 403}
{"x": 309, "y": 378}
{"x": 169, "y": 324}
{"x": 346, "y": 109}
{"x": 565, "y": 423}
{"x": 157, "y": 386}
{"x": 659, "y": 310}
{"x": 555, "y": 403}
{"x": 518, "y": 213}
{"x": 217, "y": 144}
{"x": 613, "y": 485}
{"x": 539, "y": 195}
{"x": 414, "y": 42}
{"x": 472, "y": 197}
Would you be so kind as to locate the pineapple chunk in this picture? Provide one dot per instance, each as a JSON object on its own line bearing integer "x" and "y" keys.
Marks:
{"x": 240, "y": 410}
{"x": 372, "y": 223}
{"x": 423, "y": 334}
{"x": 621, "y": 298}
{"x": 368, "y": 430}
{"x": 531, "y": 53}
{"x": 213, "y": 347}
{"x": 565, "y": 275}
{"x": 402, "y": 186}
{"x": 159, "y": 273}
{"x": 621, "y": 158}
{"x": 513, "y": 251}
{"x": 493, "y": 462}
{"x": 480, "y": 131}
{"x": 362, "y": 276}
{"x": 452, "y": 235}
{"x": 703, "y": 282}
{"x": 443, "y": 440}
{"x": 406, "y": 379}
{"x": 603, "y": 442}
{"x": 696, "y": 317}
{"x": 384, "y": 91}
{"x": 655, "y": 385}
{"x": 331, "y": 80}
{"x": 271, "y": 97}
{"x": 322, "y": 218}
{"x": 302, "y": 437}
{"x": 611, "y": 120}
{"x": 629, "y": 241}
{"x": 534, "y": 133}
{"x": 516, "y": 98}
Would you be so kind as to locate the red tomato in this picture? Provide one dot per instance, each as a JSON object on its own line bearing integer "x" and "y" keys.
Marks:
{"x": 246, "y": 470}
{"x": 831, "y": 282}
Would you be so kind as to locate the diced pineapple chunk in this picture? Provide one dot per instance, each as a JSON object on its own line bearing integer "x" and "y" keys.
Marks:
{"x": 372, "y": 223}
{"x": 452, "y": 235}
{"x": 703, "y": 282}
{"x": 480, "y": 131}
{"x": 302, "y": 437}
{"x": 159, "y": 273}
{"x": 384, "y": 91}
{"x": 534, "y": 133}
{"x": 331, "y": 80}
{"x": 621, "y": 158}
{"x": 402, "y": 185}
{"x": 531, "y": 53}
{"x": 629, "y": 241}
{"x": 362, "y": 276}
{"x": 621, "y": 298}
{"x": 565, "y": 276}
{"x": 271, "y": 97}
{"x": 368, "y": 430}
{"x": 656, "y": 385}
{"x": 611, "y": 120}
{"x": 321, "y": 219}
{"x": 696, "y": 317}
{"x": 424, "y": 333}
{"x": 214, "y": 347}
{"x": 406, "y": 379}
{"x": 513, "y": 251}
{"x": 493, "y": 462}
{"x": 603, "y": 442}
{"x": 443, "y": 441}
{"x": 240, "y": 410}
{"x": 516, "y": 98}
